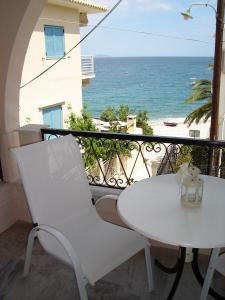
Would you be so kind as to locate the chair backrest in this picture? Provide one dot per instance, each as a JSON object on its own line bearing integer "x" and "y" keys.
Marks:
{"x": 54, "y": 180}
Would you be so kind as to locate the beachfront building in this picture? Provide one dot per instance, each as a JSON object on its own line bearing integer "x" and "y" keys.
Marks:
{"x": 46, "y": 100}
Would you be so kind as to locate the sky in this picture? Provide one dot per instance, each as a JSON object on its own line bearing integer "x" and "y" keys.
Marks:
{"x": 155, "y": 17}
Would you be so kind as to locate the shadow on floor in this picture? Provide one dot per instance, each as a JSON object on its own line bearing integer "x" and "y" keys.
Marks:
{"x": 50, "y": 279}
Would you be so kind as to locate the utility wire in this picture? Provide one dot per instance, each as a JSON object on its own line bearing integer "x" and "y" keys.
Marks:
{"x": 153, "y": 34}
{"x": 139, "y": 32}
{"x": 84, "y": 38}
{"x": 142, "y": 32}
{"x": 111, "y": 28}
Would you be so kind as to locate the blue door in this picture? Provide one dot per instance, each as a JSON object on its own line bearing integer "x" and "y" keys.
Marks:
{"x": 52, "y": 116}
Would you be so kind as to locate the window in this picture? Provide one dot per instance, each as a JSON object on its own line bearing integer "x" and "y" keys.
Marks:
{"x": 54, "y": 41}
{"x": 52, "y": 116}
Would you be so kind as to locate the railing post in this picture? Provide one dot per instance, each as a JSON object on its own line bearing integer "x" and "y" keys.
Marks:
{"x": 210, "y": 161}
{"x": 1, "y": 173}
{"x": 42, "y": 136}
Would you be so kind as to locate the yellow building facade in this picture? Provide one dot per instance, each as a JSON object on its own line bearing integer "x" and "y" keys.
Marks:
{"x": 46, "y": 100}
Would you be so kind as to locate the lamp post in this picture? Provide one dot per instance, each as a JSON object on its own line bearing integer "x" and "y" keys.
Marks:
{"x": 217, "y": 70}
{"x": 219, "y": 12}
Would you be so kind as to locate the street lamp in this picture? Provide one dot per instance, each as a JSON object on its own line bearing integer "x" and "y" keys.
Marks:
{"x": 219, "y": 12}
{"x": 187, "y": 14}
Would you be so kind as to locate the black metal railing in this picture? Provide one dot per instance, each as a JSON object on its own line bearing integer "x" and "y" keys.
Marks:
{"x": 118, "y": 160}
{"x": 1, "y": 172}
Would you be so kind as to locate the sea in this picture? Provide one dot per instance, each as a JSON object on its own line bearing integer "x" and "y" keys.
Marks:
{"x": 159, "y": 85}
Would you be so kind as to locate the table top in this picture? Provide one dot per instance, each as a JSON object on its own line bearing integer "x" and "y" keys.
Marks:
{"x": 153, "y": 208}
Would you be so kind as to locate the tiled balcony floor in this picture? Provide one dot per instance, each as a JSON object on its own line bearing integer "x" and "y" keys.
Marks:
{"x": 50, "y": 279}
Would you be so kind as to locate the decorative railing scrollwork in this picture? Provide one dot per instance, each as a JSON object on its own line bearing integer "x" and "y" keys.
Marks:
{"x": 118, "y": 160}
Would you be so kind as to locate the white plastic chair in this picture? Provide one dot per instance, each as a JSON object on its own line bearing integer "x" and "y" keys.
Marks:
{"x": 68, "y": 225}
{"x": 216, "y": 262}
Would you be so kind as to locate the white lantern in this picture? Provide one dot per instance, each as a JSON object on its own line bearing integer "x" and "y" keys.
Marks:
{"x": 192, "y": 191}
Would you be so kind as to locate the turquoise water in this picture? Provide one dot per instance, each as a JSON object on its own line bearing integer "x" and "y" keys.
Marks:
{"x": 156, "y": 84}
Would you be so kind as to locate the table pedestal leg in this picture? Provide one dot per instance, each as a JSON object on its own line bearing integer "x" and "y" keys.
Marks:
{"x": 168, "y": 270}
{"x": 178, "y": 269}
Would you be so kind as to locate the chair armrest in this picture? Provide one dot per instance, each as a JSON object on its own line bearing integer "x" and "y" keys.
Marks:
{"x": 63, "y": 240}
{"x": 106, "y": 207}
{"x": 107, "y": 198}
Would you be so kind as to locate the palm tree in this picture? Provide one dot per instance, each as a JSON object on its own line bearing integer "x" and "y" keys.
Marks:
{"x": 202, "y": 90}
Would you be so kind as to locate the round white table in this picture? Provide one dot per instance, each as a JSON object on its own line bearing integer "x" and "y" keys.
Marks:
{"x": 153, "y": 208}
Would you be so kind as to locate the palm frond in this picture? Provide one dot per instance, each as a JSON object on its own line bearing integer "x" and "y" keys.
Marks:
{"x": 202, "y": 83}
{"x": 207, "y": 116}
{"x": 199, "y": 96}
{"x": 202, "y": 90}
{"x": 210, "y": 66}
{"x": 202, "y": 112}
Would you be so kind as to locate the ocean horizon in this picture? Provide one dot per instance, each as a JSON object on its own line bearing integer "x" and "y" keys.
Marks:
{"x": 170, "y": 56}
{"x": 159, "y": 85}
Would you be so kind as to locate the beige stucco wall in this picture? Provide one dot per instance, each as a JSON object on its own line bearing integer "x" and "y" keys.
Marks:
{"x": 17, "y": 20}
{"x": 63, "y": 83}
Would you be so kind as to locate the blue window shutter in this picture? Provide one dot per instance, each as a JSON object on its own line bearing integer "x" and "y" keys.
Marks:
{"x": 54, "y": 40}
{"x": 57, "y": 117}
{"x": 59, "y": 41}
{"x": 49, "y": 41}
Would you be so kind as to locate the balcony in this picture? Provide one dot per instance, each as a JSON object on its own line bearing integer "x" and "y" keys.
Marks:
{"x": 147, "y": 156}
{"x": 49, "y": 278}
{"x": 87, "y": 67}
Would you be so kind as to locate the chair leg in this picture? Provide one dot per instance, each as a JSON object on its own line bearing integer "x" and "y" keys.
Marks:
{"x": 29, "y": 250}
{"x": 69, "y": 250}
{"x": 82, "y": 291}
{"x": 209, "y": 275}
{"x": 149, "y": 269}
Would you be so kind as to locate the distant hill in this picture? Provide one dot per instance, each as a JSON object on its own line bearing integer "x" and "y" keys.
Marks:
{"x": 102, "y": 56}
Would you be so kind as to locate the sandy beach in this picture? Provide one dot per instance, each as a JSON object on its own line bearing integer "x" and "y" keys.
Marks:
{"x": 181, "y": 130}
